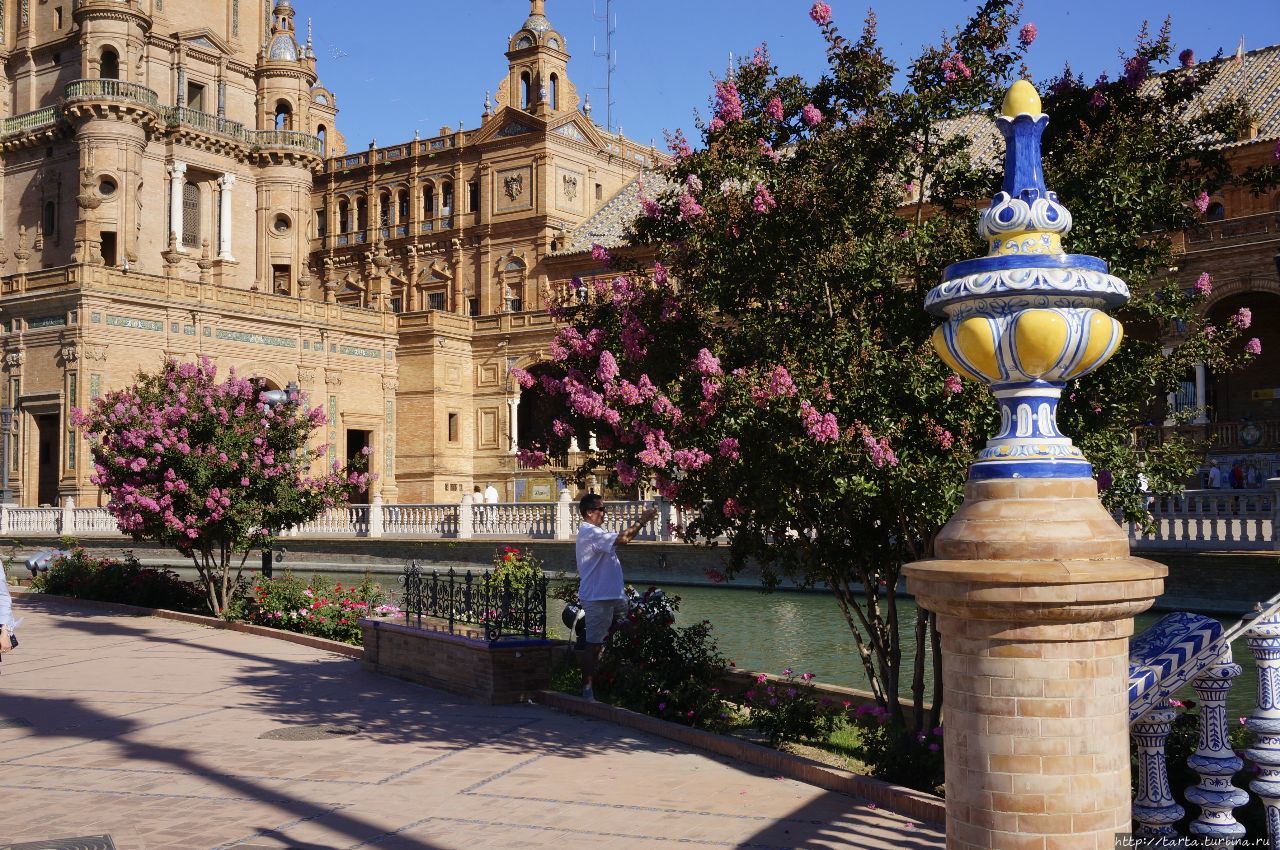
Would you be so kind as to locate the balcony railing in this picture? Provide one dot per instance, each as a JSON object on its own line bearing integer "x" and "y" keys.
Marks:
{"x": 1241, "y": 228}
{"x": 205, "y": 122}
{"x": 1255, "y": 435}
{"x": 121, "y": 90}
{"x": 1207, "y": 520}
{"x": 28, "y": 121}
{"x": 287, "y": 139}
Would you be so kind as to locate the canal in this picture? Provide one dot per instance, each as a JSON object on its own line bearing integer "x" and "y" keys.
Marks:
{"x": 805, "y": 631}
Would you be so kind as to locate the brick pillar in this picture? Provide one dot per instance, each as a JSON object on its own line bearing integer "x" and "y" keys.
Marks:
{"x": 1035, "y": 595}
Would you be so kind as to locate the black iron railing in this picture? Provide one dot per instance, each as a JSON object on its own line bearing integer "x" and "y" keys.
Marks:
{"x": 502, "y": 606}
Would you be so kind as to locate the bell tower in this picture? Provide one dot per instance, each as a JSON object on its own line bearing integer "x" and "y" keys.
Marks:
{"x": 537, "y": 77}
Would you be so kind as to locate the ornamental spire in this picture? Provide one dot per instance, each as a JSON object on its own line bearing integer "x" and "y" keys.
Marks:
{"x": 1027, "y": 317}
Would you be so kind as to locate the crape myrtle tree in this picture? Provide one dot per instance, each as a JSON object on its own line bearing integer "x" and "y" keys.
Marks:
{"x": 210, "y": 468}
{"x": 772, "y": 369}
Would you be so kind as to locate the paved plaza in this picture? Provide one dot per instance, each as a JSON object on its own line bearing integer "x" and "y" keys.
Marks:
{"x": 163, "y": 734}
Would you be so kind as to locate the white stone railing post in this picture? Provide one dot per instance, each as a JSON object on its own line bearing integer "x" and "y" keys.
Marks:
{"x": 67, "y": 521}
{"x": 466, "y": 518}
{"x": 663, "y": 506}
{"x": 1263, "y": 640}
{"x": 375, "y": 515}
{"x": 1154, "y": 808}
{"x": 1214, "y": 760}
{"x": 564, "y": 516}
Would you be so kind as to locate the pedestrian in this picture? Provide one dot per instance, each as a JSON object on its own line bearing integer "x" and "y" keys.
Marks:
{"x": 601, "y": 591}
{"x": 7, "y": 640}
{"x": 1215, "y": 476}
{"x": 1237, "y": 476}
{"x": 490, "y": 494}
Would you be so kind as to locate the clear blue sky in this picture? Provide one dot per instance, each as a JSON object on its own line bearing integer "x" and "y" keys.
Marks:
{"x": 401, "y": 65}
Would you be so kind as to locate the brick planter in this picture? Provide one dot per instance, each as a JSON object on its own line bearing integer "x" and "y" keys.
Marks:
{"x": 491, "y": 672}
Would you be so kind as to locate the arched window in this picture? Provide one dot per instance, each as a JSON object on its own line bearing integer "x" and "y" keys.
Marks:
{"x": 555, "y": 92}
{"x": 191, "y": 214}
{"x": 384, "y": 209}
{"x": 344, "y": 215}
{"x": 320, "y": 133}
{"x": 284, "y": 116}
{"x": 362, "y": 213}
{"x": 428, "y": 200}
{"x": 446, "y": 198}
{"x": 1216, "y": 212}
{"x": 526, "y": 85}
{"x": 109, "y": 64}
{"x": 402, "y": 206}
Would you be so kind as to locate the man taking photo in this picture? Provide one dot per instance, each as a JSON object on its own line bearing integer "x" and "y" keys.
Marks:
{"x": 600, "y": 591}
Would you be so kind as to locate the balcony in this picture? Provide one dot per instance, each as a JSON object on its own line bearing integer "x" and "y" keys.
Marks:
{"x": 1261, "y": 227}
{"x": 29, "y": 122}
{"x": 287, "y": 140}
{"x": 181, "y": 116}
{"x": 1254, "y": 435}
{"x": 120, "y": 91}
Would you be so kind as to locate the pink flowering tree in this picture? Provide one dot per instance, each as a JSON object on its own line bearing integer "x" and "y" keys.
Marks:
{"x": 772, "y": 370}
{"x": 209, "y": 468}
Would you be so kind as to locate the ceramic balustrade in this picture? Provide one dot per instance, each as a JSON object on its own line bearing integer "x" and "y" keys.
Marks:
{"x": 1155, "y": 809}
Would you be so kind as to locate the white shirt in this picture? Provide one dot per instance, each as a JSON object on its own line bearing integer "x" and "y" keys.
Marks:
{"x": 598, "y": 564}
{"x": 1215, "y": 478}
{"x": 491, "y": 495}
{"x": 6, "y": 601}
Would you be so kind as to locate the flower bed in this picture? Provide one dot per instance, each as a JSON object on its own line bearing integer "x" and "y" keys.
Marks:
{"x": 319, "y": 607}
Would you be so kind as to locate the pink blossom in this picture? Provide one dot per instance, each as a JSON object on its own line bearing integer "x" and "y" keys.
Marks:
{"x": 763, "y": 200}
{"x": 729, "y": 448}
{"x": 811, "y": 115}
{"x": 1187, "y": 58}
{"x": 773, "y": 108}
{"x": 728, "y": 102}
{"x": 820, "y": 13}
{"x": 523, "y": 378}
{"x": 942, "y": 436}
{"x": 607, "y": 371}
{"x": 532, "y": 458}
{"x": 1204, "y": 285}
{"x": 1098, "y": 100}
{"x": 1136, "y": 71}
{"x": 1243, "y": 318}
{"x": 1201, "y": 202}
{"x": 881, "y": 453}
{"x": 716, "y": 125}
{"x": 822, "y": 427}
{"x": 952, "y": 384}
{"x": 953, "y": 67}
{"x": 689, "y": 207}
{"x": 733, "y": 508}
{"x": 659, "y": 273}
{"x": 690, "y": 459}
{"x": 650, "y": 208}
{"x": 627, "y": 474}
{"x": 1253, "y": 346}
{"x": 561, "y": 428}
{"x": 778, "y": 382}
{"x": 1027, "y": 34}
{"x": 706, "y": 363}
{"x": 599, "y": 253}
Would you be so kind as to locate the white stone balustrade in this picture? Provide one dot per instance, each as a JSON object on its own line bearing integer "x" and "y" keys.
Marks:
{"x": 1212, "y": 519}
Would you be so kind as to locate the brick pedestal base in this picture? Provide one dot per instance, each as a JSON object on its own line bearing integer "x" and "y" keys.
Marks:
{"x": 1035, "y": 594}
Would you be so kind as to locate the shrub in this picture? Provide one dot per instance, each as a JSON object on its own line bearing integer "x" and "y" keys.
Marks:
{"x": 82, "y": 576}
{"x": 320, "y": 607}
{"x": 655, "y": 667}
{"x": 895, "y": 753}
{"x": 790, "y": 710}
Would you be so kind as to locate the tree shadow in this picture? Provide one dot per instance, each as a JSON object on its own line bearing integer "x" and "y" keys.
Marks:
{"x": 287, "y": 690}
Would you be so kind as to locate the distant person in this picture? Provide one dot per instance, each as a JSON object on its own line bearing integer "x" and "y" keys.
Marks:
{"x": 1252, "y": 478}
{"x": 1104, "y": 480}
{"x": 7, "y": 640}
{"x": 601, "y": 591}
{"x": 1237, "y": 476}
{"x": 1215, "y": 476}
{"x": 490, "y": 494}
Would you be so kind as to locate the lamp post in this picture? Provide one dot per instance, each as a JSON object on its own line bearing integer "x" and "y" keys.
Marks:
{"x": 273, "y": 399}
{"x": 6, "y": 422}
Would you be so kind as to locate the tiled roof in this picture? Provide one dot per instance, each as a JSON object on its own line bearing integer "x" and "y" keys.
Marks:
{"x": 611, "y": 225}
{"x": 1256, "y": 79}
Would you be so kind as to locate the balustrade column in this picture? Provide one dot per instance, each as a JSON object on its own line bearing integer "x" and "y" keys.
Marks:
{"x": 177, "y": 179}
{"x": 225, "y": 182}
{"x": 1201, "y": 395}
{"x": 1154, "y": 808}
{"x": 513, "y": 409}
{"x": 1214, "y": 760}
{"x": 1263, "y": 640}
{"x": 466, "y": 518}
{"x": 375, "y": 515}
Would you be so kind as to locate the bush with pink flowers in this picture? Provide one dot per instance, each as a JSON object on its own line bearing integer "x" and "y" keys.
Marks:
{"x": 790, "y": 709}
{"x": 320, "y": 607}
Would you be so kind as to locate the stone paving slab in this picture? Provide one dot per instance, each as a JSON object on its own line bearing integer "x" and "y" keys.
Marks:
{"x": 149, "y": 731}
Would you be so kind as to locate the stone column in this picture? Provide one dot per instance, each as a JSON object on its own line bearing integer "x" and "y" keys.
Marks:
{"x": 1032, "y": 582}
{"x": 177, "y": 179}
{"x": 513, "y": 408}
{"x": 225, "y": 183}
{"x": 1201, "y": 395}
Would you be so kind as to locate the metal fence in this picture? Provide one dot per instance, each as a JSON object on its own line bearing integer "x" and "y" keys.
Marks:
{"x": 501, "y": 606}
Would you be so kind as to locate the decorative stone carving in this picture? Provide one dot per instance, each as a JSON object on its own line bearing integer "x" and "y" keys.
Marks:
{"x": 513, "y": 186}
{"x": 205, "y": 263}
{"x": 96, "y": 352}
{"x": 306, "y": 374}
{"x": 389, "y": 384}
{"x": 88, "y": 198}
{"x": 332, "y": 379}
{"x": 69, "y": 354}
{"x": 15, "y": 359}
{"x": 23, "y": 252}
{"x": 570, "y": 186}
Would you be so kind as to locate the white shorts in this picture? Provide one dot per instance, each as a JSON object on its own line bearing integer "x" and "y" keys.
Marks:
{"x": 601, "y": 614}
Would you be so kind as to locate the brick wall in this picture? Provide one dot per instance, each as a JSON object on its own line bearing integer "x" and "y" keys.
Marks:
{"x": 490, "y": 672}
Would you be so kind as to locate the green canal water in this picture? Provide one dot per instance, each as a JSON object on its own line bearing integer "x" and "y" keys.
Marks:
{"x": 805, "y": 631}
